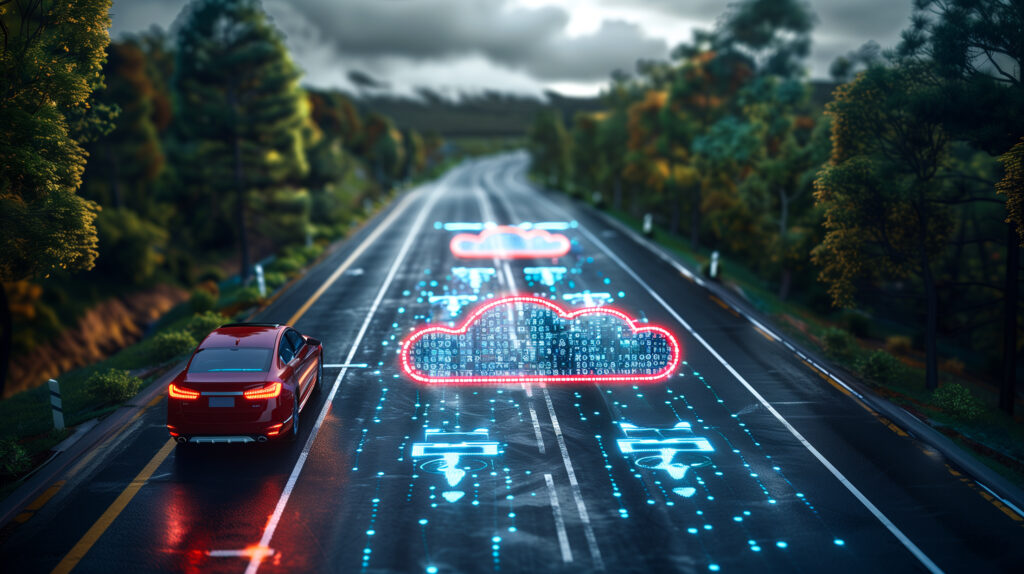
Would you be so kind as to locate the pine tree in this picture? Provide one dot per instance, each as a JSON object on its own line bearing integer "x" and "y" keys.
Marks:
{"x": 239, "y": 106}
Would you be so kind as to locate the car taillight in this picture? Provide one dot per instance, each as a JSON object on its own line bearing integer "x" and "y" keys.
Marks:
{"x": 177, "y": 392}
{"x": 270, "y": 391}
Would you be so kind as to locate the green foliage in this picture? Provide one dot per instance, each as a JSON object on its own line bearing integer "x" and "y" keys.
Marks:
{"x": 838, "y": 343}
{"x": 239, "y": 90}
{"x": 202, "y": 301}
{"x": 958, "y": 401}
{"x": 124, "y": 164}
{"x": 130, "y": 247}
{"x": 288, "y": 265}
{"x": 880, "y": 367}
{"x": 201, "y": 324}
{"x": 44, "y": 87}
{"x": 550, "y": 147}
{"x": 171, "y": 344}
{"x": 14, "y": 460}
{"x": 113, "y": 385}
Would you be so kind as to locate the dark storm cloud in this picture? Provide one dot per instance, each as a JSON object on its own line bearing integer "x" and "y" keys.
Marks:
{"x": 529, "y": 39}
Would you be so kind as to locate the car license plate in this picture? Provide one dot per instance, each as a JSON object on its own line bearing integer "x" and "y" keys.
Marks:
{"x": 222, "y": 402}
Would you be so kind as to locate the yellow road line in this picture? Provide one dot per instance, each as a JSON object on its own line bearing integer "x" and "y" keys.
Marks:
{"x": 89, "y": 539}
{"x": 763, "y": 333}
{"x": 351, "y": 259}
{"x": 723, "y": 305}
{"x": 38, "y": 503}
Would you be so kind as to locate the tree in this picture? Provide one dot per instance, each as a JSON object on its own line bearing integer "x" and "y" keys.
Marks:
{"x": 974, "y": 51}
{"x": 50, "y": 63}
{"x": 551, "y": 148}
{"x": 702, "y": 93}
{"x": 885, "y": 218}
{"x": 125, "y": 163}
{"x": 775, "y": 34}
{"x": 239, "y": 104}
{"x": 786, "y": 154}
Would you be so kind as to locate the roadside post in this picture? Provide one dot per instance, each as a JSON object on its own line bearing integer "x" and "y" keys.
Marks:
{"x": 260, "y": 281}
{"x": 714, "y": 264}
{"x": 648, "y": 224}
{"x": 57, "y": 404}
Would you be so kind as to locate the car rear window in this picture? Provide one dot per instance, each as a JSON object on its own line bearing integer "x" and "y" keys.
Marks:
{"x": 230, "y": 360}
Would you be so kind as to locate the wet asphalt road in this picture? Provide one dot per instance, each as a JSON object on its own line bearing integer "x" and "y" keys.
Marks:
{"x": 798, "y": 476}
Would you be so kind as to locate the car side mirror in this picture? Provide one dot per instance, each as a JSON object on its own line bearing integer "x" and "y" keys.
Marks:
{"x": 312, "y": 341}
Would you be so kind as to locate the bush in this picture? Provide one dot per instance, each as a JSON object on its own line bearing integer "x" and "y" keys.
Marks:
{"x": 898, "y": 345}
{"x": 274, "y": 280}
{"x": 170, "y": 344}
{"x": 287, "y": 265}
{"x": 200, "y": 325}
{"x": 113, "y": 385}
{"x": 880, "y": 367}
{"x": 13, "y": 458}
{"x": 202, "y": 301}
{"x": 838, "y": 343}
{"x": 958, "y": 401}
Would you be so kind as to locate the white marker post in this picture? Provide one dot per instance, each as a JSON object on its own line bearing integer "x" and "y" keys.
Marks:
{"x": 57, "y": 404}
{"x": 714, "y": 264}
{"x": 260, "y": 280}
{"x": 648, "y": 224}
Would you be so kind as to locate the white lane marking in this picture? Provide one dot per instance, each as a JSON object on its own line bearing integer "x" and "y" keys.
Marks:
{"x": 1003, "y": 500}
{"x": 588, "y": 530}
{"x": 275, "y": 518}
{"x": 581, "y": 507}
{"x": 563, "y": 537}
{"x": 346, "y": 366}
{"x": 533, "y": 416}
{"x": 925, "y": 561}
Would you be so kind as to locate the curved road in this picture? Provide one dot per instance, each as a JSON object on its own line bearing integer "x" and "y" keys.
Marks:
{"x": 745, "y": 459}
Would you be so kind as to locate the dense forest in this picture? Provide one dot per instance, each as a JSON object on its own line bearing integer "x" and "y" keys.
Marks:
{"x": 900, "y": 198}
{"x": 162, "y": 162}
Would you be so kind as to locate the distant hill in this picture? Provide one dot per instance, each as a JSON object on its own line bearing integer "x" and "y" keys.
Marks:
{"x": 491, "y": 114}
{"x": 494, "y": 114}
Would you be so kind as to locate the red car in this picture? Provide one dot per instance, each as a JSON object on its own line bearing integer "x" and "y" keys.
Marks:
{"x": 246, "y": 382}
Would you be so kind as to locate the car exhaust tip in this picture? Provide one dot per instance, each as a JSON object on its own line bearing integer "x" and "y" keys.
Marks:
{"x": 261, "y": 438}
{"x": 181, "y": 440}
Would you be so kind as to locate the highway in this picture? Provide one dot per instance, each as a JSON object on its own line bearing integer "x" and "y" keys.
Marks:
{"x": 746, "y": 458}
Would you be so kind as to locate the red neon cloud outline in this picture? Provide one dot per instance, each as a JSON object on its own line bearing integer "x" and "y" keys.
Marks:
{"x": 563, "y": 244}
{"x": 411, "y": 372}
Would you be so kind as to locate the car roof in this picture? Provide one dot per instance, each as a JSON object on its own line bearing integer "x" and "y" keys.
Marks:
{"x": 244, "y": 335}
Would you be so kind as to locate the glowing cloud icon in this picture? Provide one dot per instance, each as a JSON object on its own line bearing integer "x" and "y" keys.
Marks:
{"x": 521, "y": 339}
{"x": 508, "y": 242}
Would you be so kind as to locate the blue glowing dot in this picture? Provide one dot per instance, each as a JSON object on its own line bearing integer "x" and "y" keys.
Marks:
{"x": 781, "y": 544}
{"x": 511, "y": 528}
{"x": 496, "y": 539}
{"x": 738, "y": 518}
{"x": 692, "y": 530}
{"x": 607, "y": 281}
{"x": 713, "y": 567}
{"x": 839, "y": 541}
{"x": 366, "y": 550}
{"x": 622, "y": 294}
{"x": 371, "y": 532}
{"x": 799, "y": 495}
{"x": 755, "y": 548}
{"x": 431, "y": 569}
{"x": 707, "y": 527}
{"x": 423, "y": 521}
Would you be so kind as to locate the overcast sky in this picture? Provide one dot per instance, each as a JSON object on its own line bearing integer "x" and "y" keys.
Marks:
{"x": 523, "y": 46}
